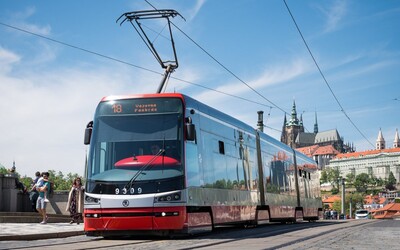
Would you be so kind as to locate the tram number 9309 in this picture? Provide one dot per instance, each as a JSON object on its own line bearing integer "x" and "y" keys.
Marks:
{"x": 125, "y": 191}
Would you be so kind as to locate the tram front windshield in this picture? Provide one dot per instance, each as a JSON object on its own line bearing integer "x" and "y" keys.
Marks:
{"x": 136, "y": 145}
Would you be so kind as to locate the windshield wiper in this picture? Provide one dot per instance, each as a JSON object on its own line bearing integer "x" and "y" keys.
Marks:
{"x": 139, "y": 172}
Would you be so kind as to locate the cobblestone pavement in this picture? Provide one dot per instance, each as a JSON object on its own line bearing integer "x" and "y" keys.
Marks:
{"x": 351, "y": 234}
{"x": 377, "y": 235}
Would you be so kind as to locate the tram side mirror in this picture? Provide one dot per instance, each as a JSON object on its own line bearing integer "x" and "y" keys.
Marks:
{"x": 190, "y": 130}
{"x": 88, "y": 133}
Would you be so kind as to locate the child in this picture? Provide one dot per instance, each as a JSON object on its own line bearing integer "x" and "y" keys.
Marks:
{"x": 39, "y": 184}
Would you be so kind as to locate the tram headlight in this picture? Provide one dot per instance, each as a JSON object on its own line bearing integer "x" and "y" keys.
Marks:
{"x": 92, "y": 200}
{"x": 169, "y": 197}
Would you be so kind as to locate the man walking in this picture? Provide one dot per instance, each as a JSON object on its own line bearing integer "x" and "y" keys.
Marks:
{"x": 40, "y": 203}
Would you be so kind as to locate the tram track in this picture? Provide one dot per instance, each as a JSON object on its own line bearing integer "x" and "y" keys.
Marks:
{"x": 268, "y": 236}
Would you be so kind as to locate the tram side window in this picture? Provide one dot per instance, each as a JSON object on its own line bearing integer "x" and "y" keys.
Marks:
{"x": 221, "y": 147}
{"x": 193, "y": 169}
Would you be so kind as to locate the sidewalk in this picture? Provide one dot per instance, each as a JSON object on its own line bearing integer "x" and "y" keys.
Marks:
{"x": 37, "y": 231}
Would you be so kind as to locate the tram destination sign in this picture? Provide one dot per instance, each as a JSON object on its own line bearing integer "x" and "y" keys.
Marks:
{"x": 140, "y": 106}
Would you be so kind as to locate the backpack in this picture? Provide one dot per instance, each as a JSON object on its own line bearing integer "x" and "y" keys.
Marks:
{"x": 50, "y": 192}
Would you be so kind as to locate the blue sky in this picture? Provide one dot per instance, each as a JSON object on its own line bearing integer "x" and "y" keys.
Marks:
{"x": 49, "y": 91}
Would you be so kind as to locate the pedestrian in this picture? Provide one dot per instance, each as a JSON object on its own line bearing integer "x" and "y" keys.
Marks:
{"x": 18, "y": 185}
{"x": 40, "y": 183}
{"x": 40, "y": 203}
{"x": 33, "y": 194}
{"x": 75, "y": 201}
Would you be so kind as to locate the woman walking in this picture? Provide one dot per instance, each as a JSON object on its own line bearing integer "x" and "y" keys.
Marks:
{"x": 75, "y": 201}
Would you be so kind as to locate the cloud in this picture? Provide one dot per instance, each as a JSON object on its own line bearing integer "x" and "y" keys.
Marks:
{"x": 196, "y": 9}
{"x": 45, "y": 111}
{"x": 19, "y": 19}
{"x": 334, "y": 15}
{"x": 364, "y": 70}
{"x": 7, "y": 58}
{"x": 270, "y": 76}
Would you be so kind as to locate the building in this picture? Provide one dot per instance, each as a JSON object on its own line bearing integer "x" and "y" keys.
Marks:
{"x": 321, "y": 154}
{"x": 378, "y": 163}
{"x": 389, "y": 211}
{"x": 328, "y": 201}
{"x": 374, "y": 202}
{"x": 293, "y": 134}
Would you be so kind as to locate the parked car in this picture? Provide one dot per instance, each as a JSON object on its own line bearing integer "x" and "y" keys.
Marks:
{"x": 362, "y": 214}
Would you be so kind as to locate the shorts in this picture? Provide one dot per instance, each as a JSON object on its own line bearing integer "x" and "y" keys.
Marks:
{"x": 40, "y": 204}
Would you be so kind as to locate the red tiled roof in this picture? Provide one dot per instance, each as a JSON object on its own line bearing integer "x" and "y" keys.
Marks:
{"x": 388, "y": 211}
{"x": 331, "y": 199}
{"x": 318, "y": 150}
{"x": 326, "y": 150}
{"x": 368, "y": 152}
{"x": 369, "y": 199}
{"x": 309, "y": 151}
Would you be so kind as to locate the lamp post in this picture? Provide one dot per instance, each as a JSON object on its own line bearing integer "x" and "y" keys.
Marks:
{"x": 351, "y": 201}
{"x": 343, "y": 196}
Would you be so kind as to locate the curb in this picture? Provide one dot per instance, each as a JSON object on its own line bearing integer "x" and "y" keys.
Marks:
{"x": 41, "y": 236}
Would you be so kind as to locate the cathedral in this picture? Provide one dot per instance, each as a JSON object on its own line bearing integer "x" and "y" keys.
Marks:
{"x": 293, "y": 135}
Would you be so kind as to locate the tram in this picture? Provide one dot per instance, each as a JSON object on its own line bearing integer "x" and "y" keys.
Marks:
{"x": 170, "y": 165}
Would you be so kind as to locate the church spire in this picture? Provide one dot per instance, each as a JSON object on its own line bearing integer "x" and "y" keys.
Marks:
{"x": 284, "y": 121}
{"x": 294, "y": 112}
{"x": 283, "y": 134}
{"x": 396, "y": 143}
{"x": 316, "y": 124}
{"x": 293, "y": 119}
{"x": 380, "y": 142}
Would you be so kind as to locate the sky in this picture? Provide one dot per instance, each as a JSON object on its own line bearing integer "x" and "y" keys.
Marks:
{"x": 59, "y": 58}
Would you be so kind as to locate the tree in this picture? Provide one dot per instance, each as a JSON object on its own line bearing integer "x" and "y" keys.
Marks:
{"x": 391, "y": 182}
{"x": 357, "y": 200}
{"x": 332, "y": 176}
{"x": 337, "y": 206}
{"x": 58, "y": 179}
{"x": 361, "y": 182}
{"x": 350, "y": 178}
{"x": 324, "y": 176}
{"x": 3, "y": 170}
{"x": 377, "y": 182}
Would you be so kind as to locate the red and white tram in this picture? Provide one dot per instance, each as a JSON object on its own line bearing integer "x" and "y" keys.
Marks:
{"x": 168, "y": 164}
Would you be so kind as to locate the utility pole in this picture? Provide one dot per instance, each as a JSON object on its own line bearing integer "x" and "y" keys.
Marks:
{"x": 260, "y": 122}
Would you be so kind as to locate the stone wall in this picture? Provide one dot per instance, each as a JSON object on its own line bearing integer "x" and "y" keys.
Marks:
{"x": 13, "y": 200}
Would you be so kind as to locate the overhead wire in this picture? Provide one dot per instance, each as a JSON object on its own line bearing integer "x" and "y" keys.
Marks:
{"x": 229, "y": 71}
{"x": 78, "y": 48}
{"x": 219, "y": 63}
{"x": 127, "y": 63}
{"x": 323, "y": 76}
